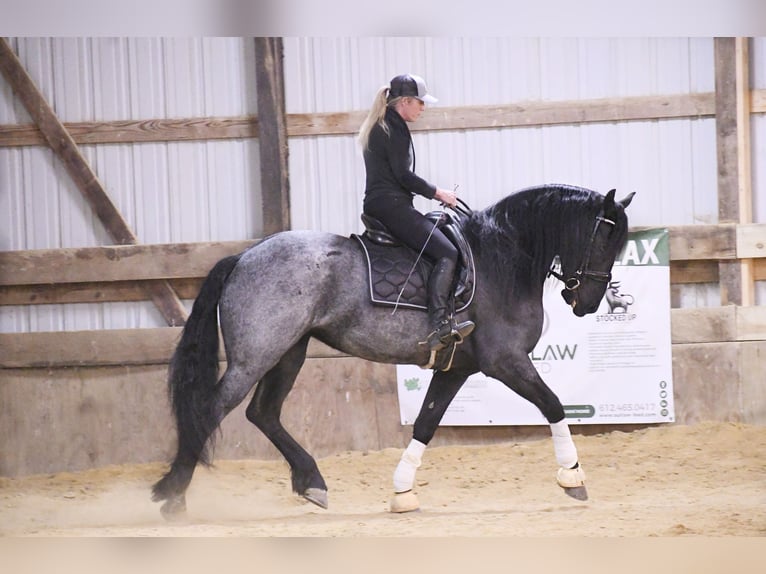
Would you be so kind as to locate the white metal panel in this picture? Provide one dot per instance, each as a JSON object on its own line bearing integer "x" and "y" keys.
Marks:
{"x": 167, "y": 192}
{"x": 665, "y": 161}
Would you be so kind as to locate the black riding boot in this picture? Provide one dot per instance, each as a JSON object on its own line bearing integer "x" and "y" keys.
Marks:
{"x": 445, "y": 329}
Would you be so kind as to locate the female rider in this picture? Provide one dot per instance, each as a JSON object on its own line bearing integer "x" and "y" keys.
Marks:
{"x": 391, "y": 184}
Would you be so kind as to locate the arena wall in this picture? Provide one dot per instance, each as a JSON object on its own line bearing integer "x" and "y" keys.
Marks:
{"x": 102, "y": 399}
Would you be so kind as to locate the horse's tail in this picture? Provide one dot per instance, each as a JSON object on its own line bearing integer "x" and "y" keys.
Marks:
{"x": 192, "y": 379}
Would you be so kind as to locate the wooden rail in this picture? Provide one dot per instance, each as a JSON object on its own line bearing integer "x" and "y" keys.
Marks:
{"x": 115, "y": 273}
{"x": 104, "y": 348}
{"x": 520, "y": 114}
{"x": 155, "y": 346}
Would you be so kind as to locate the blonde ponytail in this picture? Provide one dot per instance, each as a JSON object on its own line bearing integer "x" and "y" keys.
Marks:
{"x": 376, "y": 115}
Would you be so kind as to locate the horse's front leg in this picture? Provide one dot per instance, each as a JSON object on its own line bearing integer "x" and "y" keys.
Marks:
{"x": 570, "y": 476}
{"x": 442, "y": 389}
{"x": 520, "y": 375}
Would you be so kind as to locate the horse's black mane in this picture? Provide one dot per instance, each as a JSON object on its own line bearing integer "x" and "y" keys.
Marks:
{"x": 522, "y": 230}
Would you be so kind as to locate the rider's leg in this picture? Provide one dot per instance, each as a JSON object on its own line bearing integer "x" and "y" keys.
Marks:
{"x": 421, "y": 234}
{"x": 444, "y": 328}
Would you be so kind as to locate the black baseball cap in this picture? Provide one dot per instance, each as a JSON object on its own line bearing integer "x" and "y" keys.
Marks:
{"x": 412, "y": 86}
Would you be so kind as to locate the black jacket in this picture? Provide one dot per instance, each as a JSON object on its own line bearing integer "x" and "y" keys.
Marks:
{"x": 388, "y": 160}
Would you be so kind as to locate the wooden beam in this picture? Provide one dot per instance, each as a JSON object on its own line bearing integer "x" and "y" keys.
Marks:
{"x": 751, "y": 241}
{"x": 116, "y": 263}
{"x": 272, "y": 141}
{"x": 85, "y": 179}
{"x": 92, "y": 292}
{"x": 109, "y": 347}
{"x": 681, "y": 273}
{"x": 692, "y": 272}
{"x": 703, "y": 244}
{"x": 138, "y": 131}
{"x": 758, "y": 101}
{"x": 703, "y": 324}
{"x": 751, "y": 323}
{"x": 759, "y": 270}
{"x": 733, "y": 153}
{"x": 744, "y": 170}
{"x": 718, "y": 324}
{"x": 104, "y": 347}
{"x": 695, "y": 242}
{"x": 523, "y": 114}
{"x": 726, "y": 129}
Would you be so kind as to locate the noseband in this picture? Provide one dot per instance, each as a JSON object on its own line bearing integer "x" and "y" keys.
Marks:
{"x": 573, "y": 283}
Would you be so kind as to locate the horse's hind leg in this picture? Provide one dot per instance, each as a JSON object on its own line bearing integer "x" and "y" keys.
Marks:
{"x": 264, "y": 412}
{"x": 229, "y": 392}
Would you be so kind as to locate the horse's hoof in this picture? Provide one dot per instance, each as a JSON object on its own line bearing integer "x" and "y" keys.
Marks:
{"x": 577, "y": 492}
{"x": 174, "y": 509}
{"x": 572, "y": 480}
{"x": 404, "y": 502}
{"x": 317, "y": 496}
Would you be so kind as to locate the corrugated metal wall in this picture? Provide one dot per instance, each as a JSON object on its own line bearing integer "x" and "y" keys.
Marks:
{"x": 167, "y": 192}
{"x": 670, "y": 163}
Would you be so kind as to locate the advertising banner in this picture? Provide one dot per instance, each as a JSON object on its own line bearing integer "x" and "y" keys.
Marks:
{"x": 613, "y": 366}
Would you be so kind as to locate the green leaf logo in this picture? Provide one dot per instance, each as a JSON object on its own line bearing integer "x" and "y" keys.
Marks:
{"x": 412, "y": 384}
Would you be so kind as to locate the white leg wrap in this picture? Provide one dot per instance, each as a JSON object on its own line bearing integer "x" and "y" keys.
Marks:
{"x": 566, "y": 453}
{"x": 404, "y": 475}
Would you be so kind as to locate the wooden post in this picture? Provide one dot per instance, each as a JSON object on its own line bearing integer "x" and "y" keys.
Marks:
{"x": 65, "y": 148}
{"x": 732, "y": 87}
{"x": 272, "y": 135}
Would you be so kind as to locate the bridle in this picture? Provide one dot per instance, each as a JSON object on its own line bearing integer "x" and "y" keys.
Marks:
{"x": 573, "y": 283}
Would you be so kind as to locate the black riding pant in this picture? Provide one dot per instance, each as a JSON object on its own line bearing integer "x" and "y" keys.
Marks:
{"x": 411, "y": 227}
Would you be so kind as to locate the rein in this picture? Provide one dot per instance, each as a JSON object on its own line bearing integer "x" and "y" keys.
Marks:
{"x": 573, "y": 283}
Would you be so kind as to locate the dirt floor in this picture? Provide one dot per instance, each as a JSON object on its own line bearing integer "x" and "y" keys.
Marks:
{"x": 669, "y": 481}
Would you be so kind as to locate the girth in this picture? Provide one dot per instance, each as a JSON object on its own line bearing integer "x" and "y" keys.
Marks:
{"x": 398, "y": 278}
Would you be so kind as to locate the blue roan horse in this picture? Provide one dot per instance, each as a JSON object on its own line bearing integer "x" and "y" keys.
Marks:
{"x": 272, "y": 298}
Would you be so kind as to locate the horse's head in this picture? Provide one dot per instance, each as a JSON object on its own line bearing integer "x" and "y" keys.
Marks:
{"x": 584, "y": 287}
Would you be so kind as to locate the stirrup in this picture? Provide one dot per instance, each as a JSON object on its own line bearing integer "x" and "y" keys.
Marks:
{"x": 440, "y": 338}
{"x": 443, "y": 347}
{"x": 460, "y": 331}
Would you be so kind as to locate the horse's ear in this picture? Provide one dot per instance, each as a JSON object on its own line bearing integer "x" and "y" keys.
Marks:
{"x": 608, "y": 207}
{"x": 626, "y": 201}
